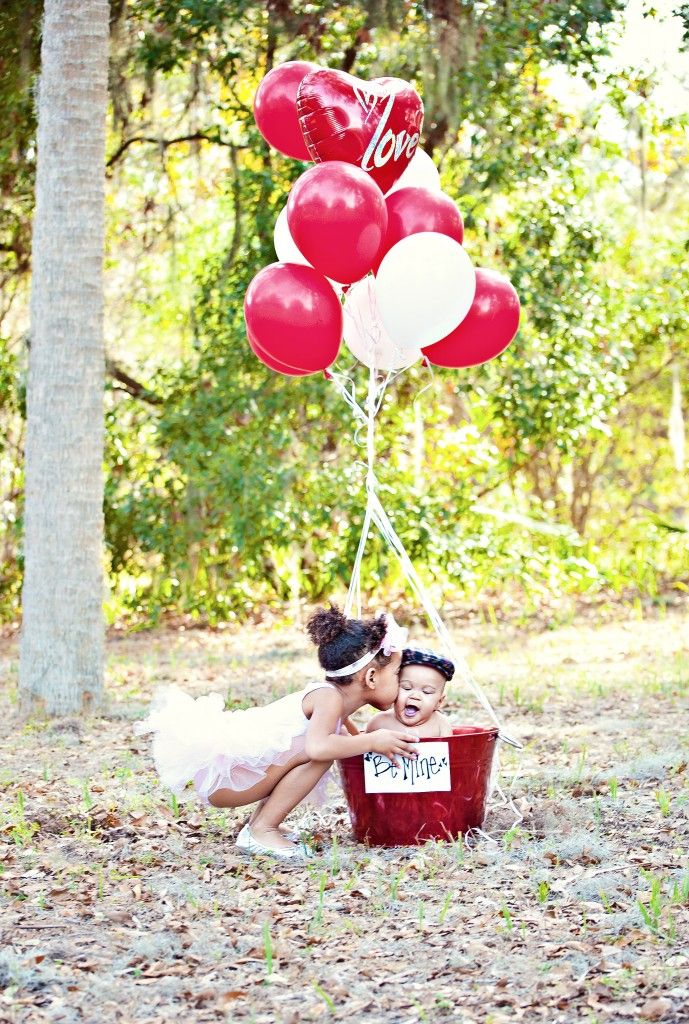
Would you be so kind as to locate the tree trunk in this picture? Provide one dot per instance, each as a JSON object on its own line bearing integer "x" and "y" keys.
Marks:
{"x": 61, "y": 664}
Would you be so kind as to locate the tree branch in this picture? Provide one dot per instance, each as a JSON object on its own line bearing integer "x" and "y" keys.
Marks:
{"x": 133, "y": 387}
{"x": 236, "y": 202}
{"x": 166, "y": 143}
{"x": 635, "y": 385}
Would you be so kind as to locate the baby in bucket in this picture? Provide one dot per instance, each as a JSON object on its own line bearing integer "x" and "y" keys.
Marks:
{"x": 422, "y": 679}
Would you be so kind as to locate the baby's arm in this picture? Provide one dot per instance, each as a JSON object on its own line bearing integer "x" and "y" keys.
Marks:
{"x": 322, "y": 743}
{"x": 445, "y": 724}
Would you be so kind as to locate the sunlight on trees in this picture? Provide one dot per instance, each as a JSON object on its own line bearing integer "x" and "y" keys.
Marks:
{"x": 548, "y": 471}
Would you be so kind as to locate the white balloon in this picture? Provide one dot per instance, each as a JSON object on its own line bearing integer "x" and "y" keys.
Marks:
{"x": 365, "y": 335}
{"x": 420, "y": 172}
{"x": 424, "y": 288}
{"x": 286, "y": 248}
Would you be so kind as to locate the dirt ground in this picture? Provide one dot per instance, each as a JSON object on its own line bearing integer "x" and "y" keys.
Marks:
{"x": 117, "y": 904}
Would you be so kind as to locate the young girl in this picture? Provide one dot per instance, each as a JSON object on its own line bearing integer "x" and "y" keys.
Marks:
{"x": 275, "y": 755}
{"x": 422, "y": 679}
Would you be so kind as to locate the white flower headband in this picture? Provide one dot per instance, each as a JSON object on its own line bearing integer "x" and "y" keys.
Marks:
{"x": 395, "y": 639}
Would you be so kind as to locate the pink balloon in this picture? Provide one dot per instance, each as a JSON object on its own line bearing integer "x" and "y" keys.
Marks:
{"x": 293, "y": 316}
{"x": 337, "y": 217}
{"x": 364, "y": 334}
{"x": 411, "y": 210}
{"x": 487, "y": 329}
{"x": 274, "y": 364}
{"x": 275, "y": 107}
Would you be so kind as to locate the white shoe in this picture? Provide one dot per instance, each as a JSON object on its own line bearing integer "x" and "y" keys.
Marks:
{"x": 247, "y": 844}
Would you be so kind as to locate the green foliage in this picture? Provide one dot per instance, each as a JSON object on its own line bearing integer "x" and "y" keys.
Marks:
{"x": 228, "y": 486}
{"x": 11, "y": 477}
{"x": 19, "y": 49}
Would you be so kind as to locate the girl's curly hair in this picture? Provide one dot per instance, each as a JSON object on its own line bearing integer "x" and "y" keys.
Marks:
{"x": 342, "y": 641}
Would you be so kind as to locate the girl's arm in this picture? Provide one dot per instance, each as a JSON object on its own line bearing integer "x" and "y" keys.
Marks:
{"x": 323, "y": 743}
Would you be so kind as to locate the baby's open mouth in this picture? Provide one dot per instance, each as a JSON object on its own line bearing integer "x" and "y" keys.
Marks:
{"x": 410, "y": 711}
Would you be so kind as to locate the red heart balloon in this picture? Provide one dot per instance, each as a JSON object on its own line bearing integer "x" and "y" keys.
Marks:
{"x": 375, "y": 125}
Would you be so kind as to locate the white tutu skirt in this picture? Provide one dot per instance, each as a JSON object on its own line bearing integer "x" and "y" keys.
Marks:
{"x": 196, "y": 740}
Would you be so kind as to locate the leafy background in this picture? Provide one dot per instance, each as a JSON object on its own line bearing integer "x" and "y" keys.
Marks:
{"x": 542, "y": 478}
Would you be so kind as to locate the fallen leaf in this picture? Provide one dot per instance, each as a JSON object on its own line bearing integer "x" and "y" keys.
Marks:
{"x": 656, "y": 1008}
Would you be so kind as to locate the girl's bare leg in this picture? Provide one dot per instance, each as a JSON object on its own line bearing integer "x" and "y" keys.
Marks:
{"x": 262, "y": 789}
{"x": 283, "y": 787}
{"x": 290, "y": 790}
{"x": 285, "y": 829}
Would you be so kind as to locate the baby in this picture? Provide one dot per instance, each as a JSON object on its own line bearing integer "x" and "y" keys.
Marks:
{"x": 422, "y": 680}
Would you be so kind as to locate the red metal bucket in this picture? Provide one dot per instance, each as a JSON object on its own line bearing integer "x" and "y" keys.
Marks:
{"x": 408, "y": 819}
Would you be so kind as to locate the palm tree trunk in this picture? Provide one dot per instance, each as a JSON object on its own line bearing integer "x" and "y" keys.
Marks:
{"x": 61, "y": 663}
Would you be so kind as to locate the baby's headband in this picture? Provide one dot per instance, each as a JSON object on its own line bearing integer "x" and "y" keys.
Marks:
{"x": 394, "y": 640}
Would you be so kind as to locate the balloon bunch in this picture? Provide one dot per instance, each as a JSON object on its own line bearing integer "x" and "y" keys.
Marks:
{"x": 370, "y": 248}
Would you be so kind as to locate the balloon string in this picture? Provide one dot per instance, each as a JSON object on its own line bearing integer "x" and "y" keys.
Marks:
{"x": 372, "y": 406}
{"x": 375, "y": 513}
{"x": 429, "y": 367}
{"x": 354, "y": 591}
{"x": 382, "y": 521}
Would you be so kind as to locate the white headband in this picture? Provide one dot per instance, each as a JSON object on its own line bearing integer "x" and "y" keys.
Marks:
{"x": 394, "y": 640}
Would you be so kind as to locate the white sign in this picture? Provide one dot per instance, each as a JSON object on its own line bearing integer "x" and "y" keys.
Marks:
{"x": 428, "y": 773}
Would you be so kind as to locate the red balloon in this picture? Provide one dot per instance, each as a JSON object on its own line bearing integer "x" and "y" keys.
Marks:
{"x": 269, "y": 361}
{"x": 275, "y": 107}
{"x": 375, "y": 125}
{"x": 337, "y": 217}
{"x": 488, "y": 328}
{"x": 294, "y": 317}
{"x": 411, "y": 210}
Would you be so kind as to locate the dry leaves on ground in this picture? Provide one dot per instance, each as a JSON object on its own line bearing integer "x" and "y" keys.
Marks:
{"x": 119, "y": 905}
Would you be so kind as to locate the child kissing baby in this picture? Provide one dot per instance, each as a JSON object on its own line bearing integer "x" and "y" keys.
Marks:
{"x": 422, "y": 679}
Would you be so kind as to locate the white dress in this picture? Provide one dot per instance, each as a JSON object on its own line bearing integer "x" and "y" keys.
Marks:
{"x": 197, "y": 740}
